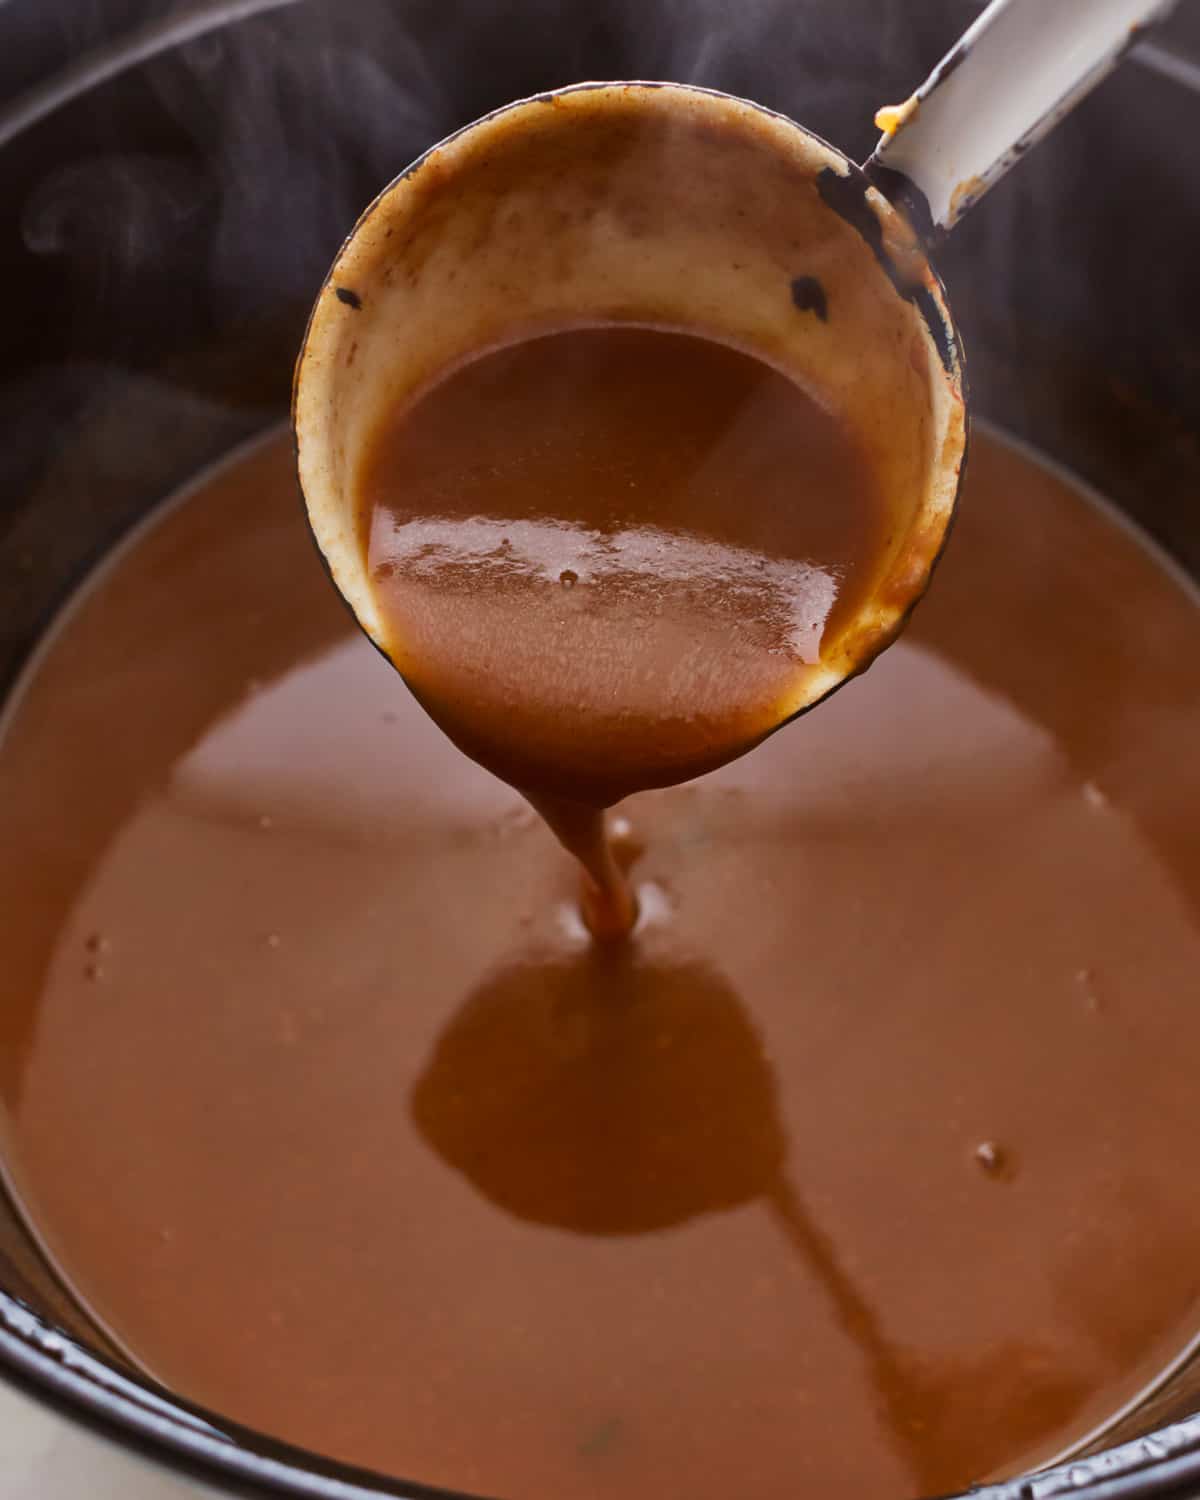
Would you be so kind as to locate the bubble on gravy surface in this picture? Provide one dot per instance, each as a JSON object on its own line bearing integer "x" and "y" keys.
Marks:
{"x": 320, "y": 1098}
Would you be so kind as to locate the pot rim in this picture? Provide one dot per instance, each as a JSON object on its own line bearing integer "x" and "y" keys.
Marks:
{"x": 57, "y": 1370}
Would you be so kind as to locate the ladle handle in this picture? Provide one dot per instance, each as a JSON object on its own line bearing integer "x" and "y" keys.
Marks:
{"x": 1009, "y": 80}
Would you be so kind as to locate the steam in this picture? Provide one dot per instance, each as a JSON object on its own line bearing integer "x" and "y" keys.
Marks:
{"x": 275, "y": 135}
{"x": 136, "y": 201}
{"x": 96, "y": 67}
{"x": 302, "y": 135}
{"x": 281, "y": 120}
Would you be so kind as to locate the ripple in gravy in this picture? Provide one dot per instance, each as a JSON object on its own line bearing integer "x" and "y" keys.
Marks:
{"x": 604, "y": 555}
{"x": 855, "y": 1171}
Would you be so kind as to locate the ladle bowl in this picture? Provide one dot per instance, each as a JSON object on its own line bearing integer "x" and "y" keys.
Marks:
{"x": 644, "y": 204}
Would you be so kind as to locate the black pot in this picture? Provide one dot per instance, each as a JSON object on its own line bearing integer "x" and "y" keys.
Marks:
{"x": 148, "y": 156}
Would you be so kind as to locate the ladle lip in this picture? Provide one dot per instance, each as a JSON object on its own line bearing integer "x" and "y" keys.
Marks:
{"x": 857, "y": 203}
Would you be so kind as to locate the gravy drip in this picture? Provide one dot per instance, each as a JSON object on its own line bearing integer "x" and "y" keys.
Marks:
{"x": 606, "y": 557}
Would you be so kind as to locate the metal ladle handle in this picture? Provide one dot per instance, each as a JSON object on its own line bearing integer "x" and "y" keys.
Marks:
{"x": 1009, "y": 80}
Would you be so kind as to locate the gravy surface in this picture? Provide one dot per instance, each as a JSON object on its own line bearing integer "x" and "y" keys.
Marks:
{"x": 853, "y": 1173}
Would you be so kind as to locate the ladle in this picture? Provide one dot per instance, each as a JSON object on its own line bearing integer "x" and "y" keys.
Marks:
{"x": 679, "y": 207}
{"x": 1012, "y": 76}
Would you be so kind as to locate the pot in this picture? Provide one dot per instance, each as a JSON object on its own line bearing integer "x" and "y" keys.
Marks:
{"x": 147, "y": 159}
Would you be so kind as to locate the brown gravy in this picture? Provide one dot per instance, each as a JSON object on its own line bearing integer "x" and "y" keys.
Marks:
{"x": 854, "y": 1173}
{"x": 606, "y": 554}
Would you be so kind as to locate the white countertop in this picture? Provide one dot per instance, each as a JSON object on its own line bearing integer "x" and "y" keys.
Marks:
{"x": 43, "y": 1456}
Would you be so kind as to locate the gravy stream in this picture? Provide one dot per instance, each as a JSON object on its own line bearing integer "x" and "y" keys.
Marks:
{"x": 323, "y": 1100}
